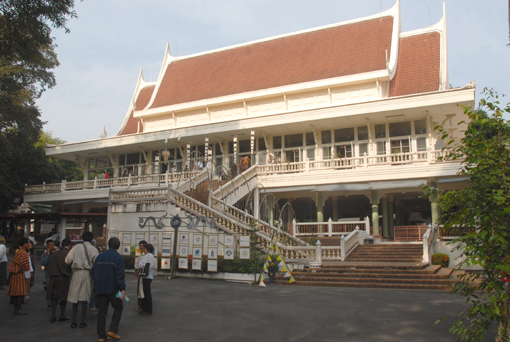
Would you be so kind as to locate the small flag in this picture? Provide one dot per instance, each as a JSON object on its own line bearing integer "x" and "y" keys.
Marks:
{"x": 262, "y": 281}
{"x": 292, "y": 280}
{"x": 284, "y": 269}
{"x": 287, "y": 275}
{"x": 269, "y": 258}
{"x": 279, "y": 257}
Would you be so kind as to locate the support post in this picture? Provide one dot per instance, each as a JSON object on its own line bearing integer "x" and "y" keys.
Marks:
{"x": 295, "y": 231}
{"x": 318, "y": 252}
{"x": 433, "y": 205}
{"x": 367, "y": 225}
{"x": 342, "y": 247}
{"x": 390, "y": 217}
{"x": 320, "y": 216}
{"x": 330, "y": 227}
{"x": 256, "y": 203}
{"x": 63, "y": 224}
{"x": 335, "y": 208}
{"x": 375, "y": 212}
{"x": 384, "y": 202}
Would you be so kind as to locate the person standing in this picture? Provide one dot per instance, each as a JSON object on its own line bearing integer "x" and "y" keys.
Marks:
{"x": 45, "y": 261}
{"x": 3, "y": 263}
{"x": 108, "y": 278}
{"x": 272, "y": 273}
{"x": 139, "y": 285}
{"x": 29, "y": 275}
{"x": 147, "y": 274}
{"x": 58, "y": 285}
{"x": 233, "y": 170}
{"x": 81, "y": 258}
{"x": 17, "y": 284}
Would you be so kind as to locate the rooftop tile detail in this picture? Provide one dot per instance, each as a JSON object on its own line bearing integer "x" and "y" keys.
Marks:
{"x": 141, "y": 102}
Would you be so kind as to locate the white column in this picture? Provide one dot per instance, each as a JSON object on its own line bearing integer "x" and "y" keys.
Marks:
{"x": 256, "y": 203}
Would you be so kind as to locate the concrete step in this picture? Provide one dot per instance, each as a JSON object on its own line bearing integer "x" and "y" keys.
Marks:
{"x": 439, "y": 287}
{"x": 423, "y": 281}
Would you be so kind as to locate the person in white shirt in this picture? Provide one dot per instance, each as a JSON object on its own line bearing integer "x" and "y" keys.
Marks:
{"x": 3, "y": 263}
{"x": 147, "y": 279}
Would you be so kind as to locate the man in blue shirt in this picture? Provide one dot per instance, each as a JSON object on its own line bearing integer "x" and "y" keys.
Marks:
{"x": 108, "y": 279}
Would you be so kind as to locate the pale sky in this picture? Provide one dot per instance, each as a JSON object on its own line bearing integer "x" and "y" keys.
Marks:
{"x": 111, "y": 40}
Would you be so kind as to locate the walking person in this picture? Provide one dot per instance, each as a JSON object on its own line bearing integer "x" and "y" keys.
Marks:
{"x": 272, "y": 273}
{"x": 58, "y": 284}
{"x": 108, "y": 278}
{"x": 139, "y": 285}
{"x": 29, "y": 273}
{"x": 45, "y": 261}
{"x": 146, "y": 273}
{"x": 3, "y": 263}
{"x": 81, "y": 258}
{"x": 17, "y": 284}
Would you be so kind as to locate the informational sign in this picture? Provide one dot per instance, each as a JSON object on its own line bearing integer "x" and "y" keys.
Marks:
{"x": 213, "y": 240}
{"x": 183, "y": 251}
{"x": 229, "y": 240}
{"x": 167, "y": 238}
{"x": 229, "y": 254}
{"x": 183, "y": 238}
{"x": 166, "y": 251}
{"x": 126, "y": 238}
{"x": 196, "y": 265}
{"x": 197, "y": 252}
{"x": 213, "y": 253}
{"x": 197, "y": 239}
{"x": 183, "y": 263}
{"x": 165, "y": 263}
{"x": 245, "y": 253}
{"x": 244, "y": 241}
{"x": 212, "y": 265}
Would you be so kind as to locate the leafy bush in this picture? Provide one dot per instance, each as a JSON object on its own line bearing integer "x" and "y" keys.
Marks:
{"x": 441, "y": 259}
{"x": 230, "y": 266}
{"x": 129, "y": 261}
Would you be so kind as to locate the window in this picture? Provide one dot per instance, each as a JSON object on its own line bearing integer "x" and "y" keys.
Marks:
{"x": 326, "y": 137}
{"x": 92, "y": 163}
{"x": 178, "y": 153}
{"x": 400, "y": 146}
{"x": 133, "y": 158}
{"x": 294, "y": 140}
{"x": 310, "y": 139}
{"x": 363, "y": 133}
{"x": 262, "y": 144}
{"x": 344, "y": 134}
{"x": 421, "y": 144}
{"x": 420, "y": 127}
{"x": 344, "y": 151}
{"x": 381, "y": 147}
{"x": 380, "y": 131}
{"x": 217, "y": 149}
{"x": 326, "y": 152}
{"x": 277, "y": 142}
{"x": 363, "y": 149}
{"x": 244, "y": 146}
{"x": 201, "y": 150}
{"x": 122, "y": 159}
{"x": 310, "y": 153}
{"x": 398, "y": 129}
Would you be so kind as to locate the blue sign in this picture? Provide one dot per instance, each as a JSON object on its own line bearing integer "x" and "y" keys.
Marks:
{"x": 175, "y": 222}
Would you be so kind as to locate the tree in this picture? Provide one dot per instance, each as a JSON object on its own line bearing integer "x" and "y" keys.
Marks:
{"x": 482, "y": 210}
{"x": 27, "y": 57}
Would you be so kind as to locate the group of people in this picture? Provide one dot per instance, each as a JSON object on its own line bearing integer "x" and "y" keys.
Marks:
{"x": 78, "y": 274}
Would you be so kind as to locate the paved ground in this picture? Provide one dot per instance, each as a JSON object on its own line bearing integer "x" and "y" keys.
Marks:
{"x": 193, "y": 310}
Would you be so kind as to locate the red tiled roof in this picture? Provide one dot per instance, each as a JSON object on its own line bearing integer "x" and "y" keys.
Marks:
{"x": 332, "y": 52}
{"x": 418, "y": 65}
{"x": 141, "y": 102}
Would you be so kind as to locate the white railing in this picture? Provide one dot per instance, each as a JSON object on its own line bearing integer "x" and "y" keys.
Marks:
{"x": 429, "y": 241}
{"x": 163, "y": 178}
{"x": 330, "y": 228}
{"x": 426, "y": 157}
{"x": 226, "y": 189}
{"x": 193, "y": 181}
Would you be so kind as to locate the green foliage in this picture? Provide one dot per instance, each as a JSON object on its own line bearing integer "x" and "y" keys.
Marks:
{"x": 484, "y": 205}
{"x": 441, "y": 259}
{"x": 27, "y": 57}
{"x": 230, "y": 266}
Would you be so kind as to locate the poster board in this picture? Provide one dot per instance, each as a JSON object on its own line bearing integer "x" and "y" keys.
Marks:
{"x": 244, "y": 241}
{"x": 126, "y": 238}
{"x": 212, "y": 265}
{"x": 245, "y": 253}
{"x": 196, "y": 265}
{"x": 126, "y": 250}
{"x": 153, "y": 239}
{"x": 167, "y": 239}
{"x": 213, "y": 240}
{"x": 183, "y": 238}
{"x": 229, "y": 254}
{"x": 166, "y": 251}
{"x": 213, "y": 253}
{"x": 229, "y": 240}
{"x": 165, "y": 263}
{"x": 183, "y": 251}
{"x": 183, "y": 263}
{"x": 197, "y": 239}
{"x": 197, "y": 252}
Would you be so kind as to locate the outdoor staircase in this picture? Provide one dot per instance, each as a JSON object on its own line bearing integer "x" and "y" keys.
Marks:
{"x": 201, "y": 191}
{"x": 380, "y": 265}
{"x": 392, "y": 252}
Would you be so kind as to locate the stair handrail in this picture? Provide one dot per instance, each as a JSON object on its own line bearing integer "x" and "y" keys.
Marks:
{"x": 217, "y": 203}
{"x": 429, "y": 240}
{"x": 197, "y": 179}
{"x": 351, "y": 241}
{"x": 301, "y": 253}
{"x": 226, "y": 189}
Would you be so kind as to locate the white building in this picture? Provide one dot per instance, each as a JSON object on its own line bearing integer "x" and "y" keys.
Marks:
{"x": 342, "y": 117}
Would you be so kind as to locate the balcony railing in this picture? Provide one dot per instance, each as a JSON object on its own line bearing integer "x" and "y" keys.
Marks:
{"x": 427, "y": 157}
